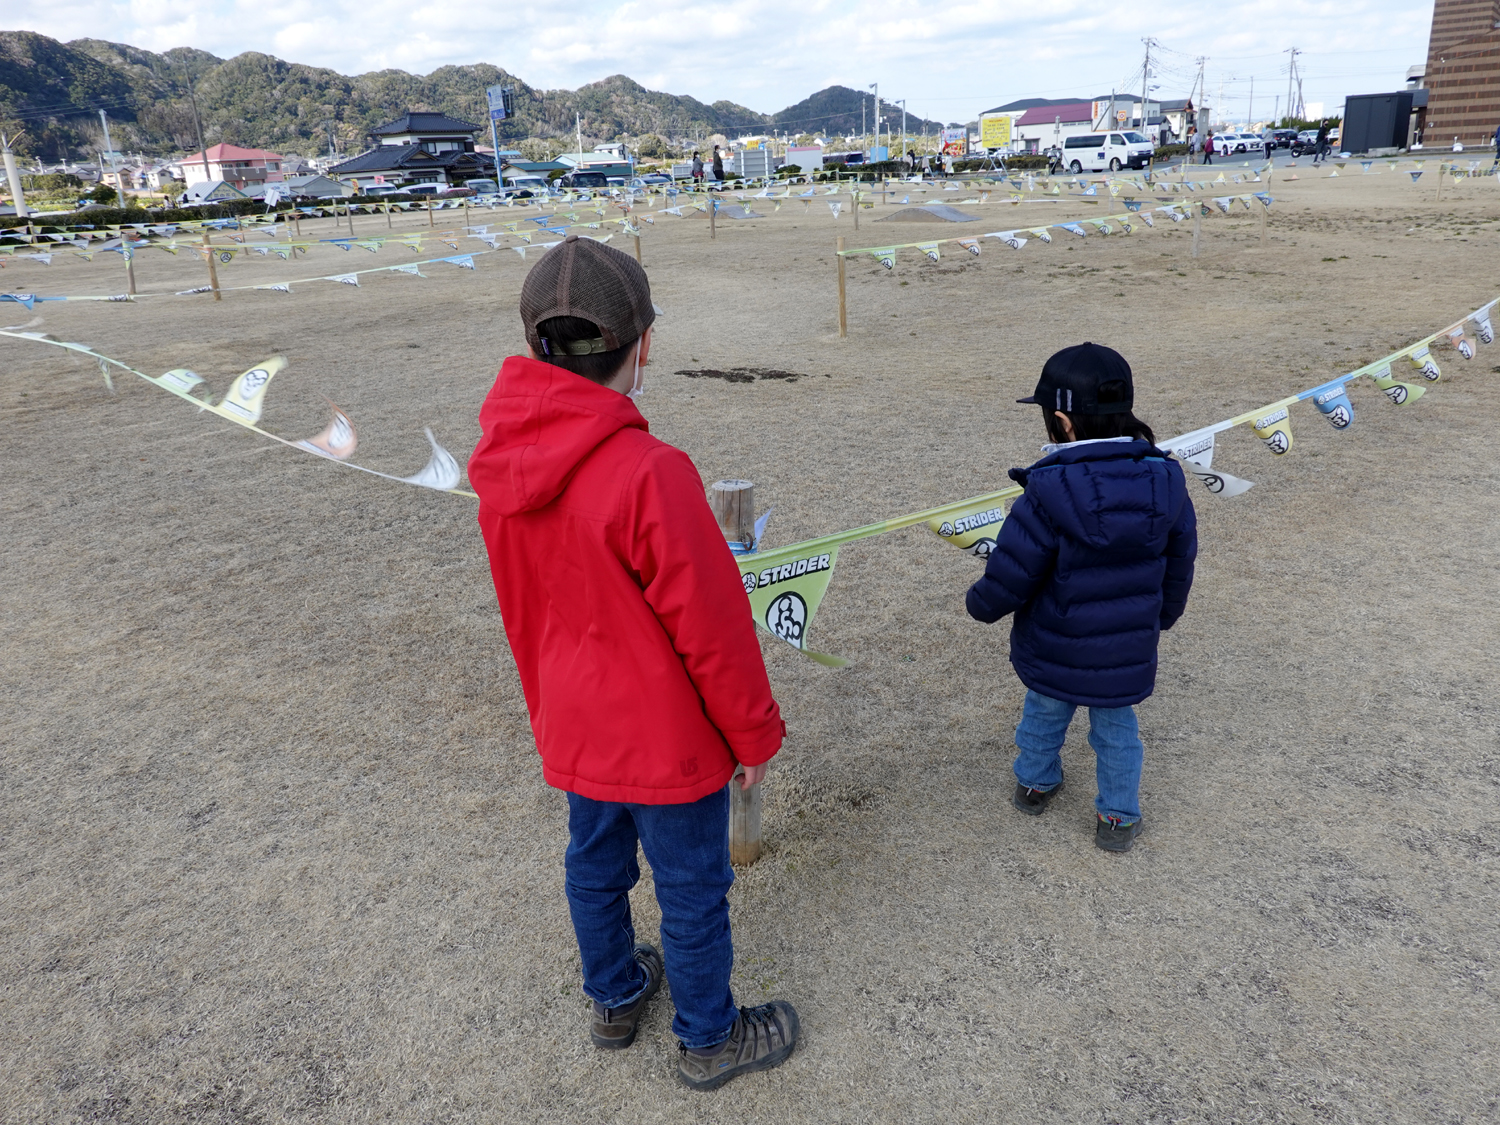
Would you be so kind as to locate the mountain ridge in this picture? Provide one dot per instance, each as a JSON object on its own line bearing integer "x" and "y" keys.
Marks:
{"x": 53, "y": 90}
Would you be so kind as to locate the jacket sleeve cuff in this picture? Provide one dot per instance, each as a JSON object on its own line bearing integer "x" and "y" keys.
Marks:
{"x": 752, "y": 747}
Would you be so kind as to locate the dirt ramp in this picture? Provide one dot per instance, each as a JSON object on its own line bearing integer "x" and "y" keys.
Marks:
{"x": 930, "y": 213}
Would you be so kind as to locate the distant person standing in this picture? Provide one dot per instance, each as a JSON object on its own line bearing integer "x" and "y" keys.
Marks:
{"x": 697, "y": 169}
{"x": 1208, "y": 148}
{"x": 1321, "y": 151}
{"x": 1194, "y": 143}
{"x": 1269, "y": 140}
{"x": 718, "y": 165}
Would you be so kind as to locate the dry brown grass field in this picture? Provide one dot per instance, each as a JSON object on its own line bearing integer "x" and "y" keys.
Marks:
{"x": 274, "y": 842}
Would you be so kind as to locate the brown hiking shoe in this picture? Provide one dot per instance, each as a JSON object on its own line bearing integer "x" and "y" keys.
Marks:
{"x": 614, "y": 1028}
{"x": 763, "y": 1037}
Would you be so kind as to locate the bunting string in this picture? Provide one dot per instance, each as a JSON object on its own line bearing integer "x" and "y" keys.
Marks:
{"x": 785, "y": 585}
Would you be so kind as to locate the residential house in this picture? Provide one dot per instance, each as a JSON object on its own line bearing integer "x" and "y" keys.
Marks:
{"x": 242, "y": 167}
{"x": 418, "y": 148}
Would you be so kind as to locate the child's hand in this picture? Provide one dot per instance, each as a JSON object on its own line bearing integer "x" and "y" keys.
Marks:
{"x": 752, "y": 775}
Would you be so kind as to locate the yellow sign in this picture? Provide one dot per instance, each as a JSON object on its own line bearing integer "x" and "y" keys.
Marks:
{"x": 994, "y": 132}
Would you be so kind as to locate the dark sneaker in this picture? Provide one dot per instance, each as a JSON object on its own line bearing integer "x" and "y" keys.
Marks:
{"x": 1115, "y": 835}
{"x": 763, "y": 1037}
{"x": 614, "y": 1028}
{"x": 1033, "y": 802}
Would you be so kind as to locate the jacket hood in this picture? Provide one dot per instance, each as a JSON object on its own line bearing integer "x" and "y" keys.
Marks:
{"x": 1108, "y": 494}
{"x": 540, "y": 423}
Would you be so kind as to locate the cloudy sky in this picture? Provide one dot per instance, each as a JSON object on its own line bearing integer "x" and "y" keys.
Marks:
{"x": 949, "y": 62}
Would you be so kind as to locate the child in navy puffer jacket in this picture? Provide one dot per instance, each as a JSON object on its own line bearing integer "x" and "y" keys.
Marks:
{"x": 1095, "y": 560}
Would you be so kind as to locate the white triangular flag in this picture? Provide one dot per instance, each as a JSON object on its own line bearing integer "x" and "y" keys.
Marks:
{"x": 440, "y": 472}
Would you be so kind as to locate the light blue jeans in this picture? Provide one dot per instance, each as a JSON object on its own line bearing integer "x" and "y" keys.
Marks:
{"x": 1115, "y": 737}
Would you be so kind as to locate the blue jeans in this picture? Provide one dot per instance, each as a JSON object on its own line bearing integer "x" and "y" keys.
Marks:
{"x": 688, "y": 849}
{"x": 1115, "y": 737}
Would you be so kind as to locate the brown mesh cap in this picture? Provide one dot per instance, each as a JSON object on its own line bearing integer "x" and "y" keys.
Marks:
{"x": 588, "y": 279}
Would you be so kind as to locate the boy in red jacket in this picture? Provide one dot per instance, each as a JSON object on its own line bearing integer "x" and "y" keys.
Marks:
{"x": 642, "y": 673}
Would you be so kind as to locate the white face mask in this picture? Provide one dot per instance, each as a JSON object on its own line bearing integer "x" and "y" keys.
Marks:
{"x": 637, "y": 385}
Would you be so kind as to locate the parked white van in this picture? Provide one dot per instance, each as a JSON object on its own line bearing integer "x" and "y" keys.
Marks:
{"x": 1094, "y": 152}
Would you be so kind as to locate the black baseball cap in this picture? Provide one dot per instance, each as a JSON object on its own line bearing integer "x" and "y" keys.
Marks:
{"x": 1085, "y": 379}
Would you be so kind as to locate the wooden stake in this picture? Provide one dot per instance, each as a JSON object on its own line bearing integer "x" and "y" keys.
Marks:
{"x": 638, "y": 249}
{"x": 856, "y": 209}
{"x": 297, "y": 221}
{"x": 429, "y": 212}
{"x": 129, "y": 266}
{"x": 1263, "y": 210}
{"x": 387, "y": 207}
{"x": 744, "y": 821}
{"x": 1197, "y": 226}
{"x": 733, "y": 504}
{"x": 213, "y": 270}
{"x": 843, "y": 305}
{"x": 713, "y": 210}
{"x": 1441, "y": 166}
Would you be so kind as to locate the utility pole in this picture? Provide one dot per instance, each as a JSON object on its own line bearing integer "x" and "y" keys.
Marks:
{"x": 1291, "y": 78}
{"x": 902, "y": 154}
{"x": 1145, "y": 76}
{"x": 198, "y": 127}
{"x": 1200, "y": 112}
{"x": 1250, "y": 109}
{"x": 113, "y": 165}
{"x": 578, "y": 126}
{"x": 12, "y": 176}
{"x": 876, "y": 87}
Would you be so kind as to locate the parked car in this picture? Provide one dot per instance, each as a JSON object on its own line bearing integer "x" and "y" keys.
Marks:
{"x": 651, "y": 178}
{"x": 1094, "y": 152}
{"x": 423, "y": 189}
{"x": 527, "y": 187}
{"x": 576, "y": 180}
{"x": 1284, "y": 137}
{"x": 1227, "y": 144}
{"x": 483, "y": 186}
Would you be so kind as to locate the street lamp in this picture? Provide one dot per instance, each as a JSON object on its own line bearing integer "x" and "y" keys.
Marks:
{"x": 902, "y": 154}
{"x": 876, "y": 87}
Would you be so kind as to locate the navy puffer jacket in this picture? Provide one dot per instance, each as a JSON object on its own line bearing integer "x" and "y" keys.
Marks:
{"x": 1095, "y": 559}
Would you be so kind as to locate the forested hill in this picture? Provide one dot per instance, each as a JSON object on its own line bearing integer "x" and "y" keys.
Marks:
{"x": 54, "y": 91}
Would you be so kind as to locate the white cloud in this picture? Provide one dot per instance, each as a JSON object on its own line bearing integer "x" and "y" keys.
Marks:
{"x": 949, "y": 63}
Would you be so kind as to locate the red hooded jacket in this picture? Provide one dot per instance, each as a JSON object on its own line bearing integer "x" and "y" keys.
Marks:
{"x": 622, "y": 603}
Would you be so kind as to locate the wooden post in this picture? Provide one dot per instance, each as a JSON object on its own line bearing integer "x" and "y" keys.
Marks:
{"x": 713, "y": 210}
{"x": 843, "y": 306}
{"x": 297, "y": 221}
{"x": 129, "y": 256}
{"x": 387, "y": 207}
{"x": 1263, "y": 210}
{"x": 1197, "y": 226}
{"x": 744, "y": 821}
{"x": 638, "y": 249}
{"x": 733, "y": 504}
{"x": 213, "y": 270}
{"x": 855, "y": 194}
{"x": 1441, "y": 166}
{"x": 429, "y": 211}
